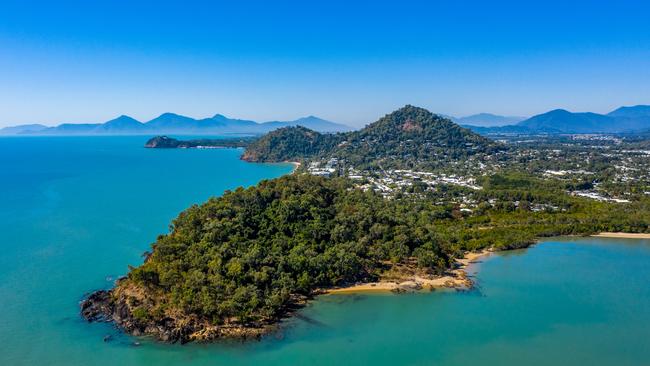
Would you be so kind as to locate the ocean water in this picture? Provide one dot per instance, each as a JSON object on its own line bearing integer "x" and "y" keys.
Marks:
{"x": 75, "y": 211}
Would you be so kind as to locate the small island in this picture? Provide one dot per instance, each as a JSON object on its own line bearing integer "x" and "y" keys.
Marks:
{"x": 164, "y": 142}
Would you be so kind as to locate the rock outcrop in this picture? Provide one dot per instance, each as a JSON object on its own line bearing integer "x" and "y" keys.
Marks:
{"x": 162, "y": 142}
{"x": 122, "y": 305}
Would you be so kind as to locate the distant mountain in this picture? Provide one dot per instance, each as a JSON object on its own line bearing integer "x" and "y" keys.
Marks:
{"x": 638, "y": 111}
{"x": 319, "y": 124}
{"x": 171, "y": 123}
{"x": 633, "y": 118}
{"x": 560, "y": 120}
{"x": 121, "y": 124}
{"x": 72, "y": 129}
{"x": 408, "y": 137}
{"x": 242, "y": 124}
{"x": 488, "y": 120}
{"x": 621, "y": 120}
{"x": 511, "y": 129}
{"x": 17, "y": 130}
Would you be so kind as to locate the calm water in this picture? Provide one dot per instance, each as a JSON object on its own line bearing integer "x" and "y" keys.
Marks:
{"x": 75, "y": 211}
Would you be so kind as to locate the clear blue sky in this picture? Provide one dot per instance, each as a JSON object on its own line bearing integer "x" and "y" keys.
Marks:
{"x": 88, "y": 61}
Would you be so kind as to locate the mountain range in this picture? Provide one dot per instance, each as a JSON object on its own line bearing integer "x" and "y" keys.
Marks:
{"x": 487, "y": 120}
{"x": 621, "y": 120}
{"x": 170, "y": 123}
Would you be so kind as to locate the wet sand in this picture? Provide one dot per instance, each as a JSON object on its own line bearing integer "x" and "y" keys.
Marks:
{"x": 622, "y": 235}
{"x": 455, "y": 278}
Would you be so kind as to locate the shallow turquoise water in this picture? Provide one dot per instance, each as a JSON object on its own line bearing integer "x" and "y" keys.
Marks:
{"x": 75, "y": 211}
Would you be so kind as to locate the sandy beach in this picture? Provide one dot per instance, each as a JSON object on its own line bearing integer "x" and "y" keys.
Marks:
{"x": 295, "y": 164}
{"x": 622, "y": 235}
{"x": 455, "y": 278}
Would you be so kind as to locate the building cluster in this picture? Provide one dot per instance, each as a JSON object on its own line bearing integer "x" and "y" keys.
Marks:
{"x": 599, "y": 167}
{"x": 326, "y": 169}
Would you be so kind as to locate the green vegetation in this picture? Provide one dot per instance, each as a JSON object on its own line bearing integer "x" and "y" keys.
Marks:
{"x": 164, "y": 142}
{"x": 291, "y": 144}
{"x": 242, "y": 261}
{"x": 407, "y": 138}
{"x": 252, "y": 253}
{"x": 255, "y": 251}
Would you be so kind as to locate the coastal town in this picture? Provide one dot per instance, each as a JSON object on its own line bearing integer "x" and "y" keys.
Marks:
{"x": 605, "y": 168}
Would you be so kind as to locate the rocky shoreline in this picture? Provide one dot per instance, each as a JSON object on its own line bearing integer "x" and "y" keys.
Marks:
{"x": 120, "y": 306}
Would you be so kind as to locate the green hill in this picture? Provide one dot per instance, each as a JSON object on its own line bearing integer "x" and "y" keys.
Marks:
{"x": 407, "y": 137}
{"x": 290, "y": 144}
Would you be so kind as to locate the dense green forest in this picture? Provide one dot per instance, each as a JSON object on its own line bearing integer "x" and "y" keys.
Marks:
{"x": 407, "y": 138}
{"x": 291, "y": 144}
{"x": 252, "y": 253}
{"x": 164, "y": 142}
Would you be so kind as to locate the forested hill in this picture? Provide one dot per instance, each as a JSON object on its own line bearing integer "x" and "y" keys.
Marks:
{"x": 407, "y": 137}
{"x": 237, "y": 264}
{"x": 291, "y": 144}
{"x": 412, "y": 136}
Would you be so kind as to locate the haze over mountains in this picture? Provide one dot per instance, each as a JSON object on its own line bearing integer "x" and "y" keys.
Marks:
{"x": 621, "y": 120}
{"x": 487, "y": 120}
{"x": 170, "y": 123}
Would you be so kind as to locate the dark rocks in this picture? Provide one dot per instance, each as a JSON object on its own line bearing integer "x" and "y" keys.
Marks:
{"x": 102, "y": 306}
{"x": 408, "y": 286}
{"x": 119, "y": 304}
{"x": 97, "y": 307}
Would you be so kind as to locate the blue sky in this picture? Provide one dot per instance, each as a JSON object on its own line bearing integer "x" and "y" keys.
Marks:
{"x": 89, "y": 61}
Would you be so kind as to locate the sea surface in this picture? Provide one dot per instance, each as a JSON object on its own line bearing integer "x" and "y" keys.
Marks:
{"x": 76, "y": 211}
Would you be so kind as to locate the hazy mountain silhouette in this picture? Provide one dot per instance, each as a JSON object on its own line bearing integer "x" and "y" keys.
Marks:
{"x": 171, "y": 123}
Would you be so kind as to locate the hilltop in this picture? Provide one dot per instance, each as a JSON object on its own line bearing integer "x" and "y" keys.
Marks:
{"x": 409, "y": 136}
{"x": 290, "y": 144}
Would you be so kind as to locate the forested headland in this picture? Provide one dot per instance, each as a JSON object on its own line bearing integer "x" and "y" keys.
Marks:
{"x": 235, "y": 265}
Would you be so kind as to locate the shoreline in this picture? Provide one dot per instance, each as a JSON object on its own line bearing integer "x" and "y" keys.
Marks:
{"x": 621, "y": 235}
{"x": 114, "y": 307}
{"x": 295, "y": 164}
{"x": 454, "y": 279}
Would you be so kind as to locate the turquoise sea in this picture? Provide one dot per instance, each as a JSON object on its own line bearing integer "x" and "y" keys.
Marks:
{"x": 75, "y": 211}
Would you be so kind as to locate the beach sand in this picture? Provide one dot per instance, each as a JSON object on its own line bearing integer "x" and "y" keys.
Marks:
{"x": 295, "y": 164}
{"x": 622, "y": 235}
{"x": 456, "y": 278}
